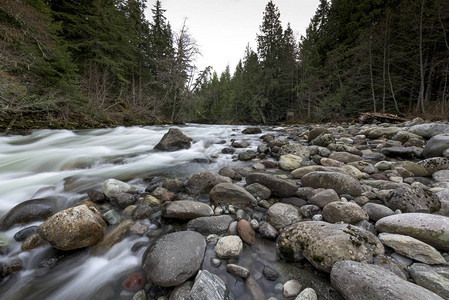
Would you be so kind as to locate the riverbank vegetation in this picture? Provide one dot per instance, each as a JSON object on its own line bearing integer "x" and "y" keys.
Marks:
{"x": 101, "y": 63}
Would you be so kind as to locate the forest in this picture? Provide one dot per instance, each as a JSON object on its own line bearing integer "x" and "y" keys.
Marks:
{"x": 82, "y": 63}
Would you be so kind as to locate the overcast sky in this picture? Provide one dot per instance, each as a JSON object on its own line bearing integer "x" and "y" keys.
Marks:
{"x": 223, "y": 28}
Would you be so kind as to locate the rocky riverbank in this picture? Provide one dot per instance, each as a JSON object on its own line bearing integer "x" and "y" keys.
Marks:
{"x": 320, "y": 212}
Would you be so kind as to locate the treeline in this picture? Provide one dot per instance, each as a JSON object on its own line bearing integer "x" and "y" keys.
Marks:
{"x": 380, "y": 56}
{"x": 99, "y": 59}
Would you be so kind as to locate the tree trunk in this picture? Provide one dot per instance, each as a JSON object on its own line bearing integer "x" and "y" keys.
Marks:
{"x": 420, "y": 104}
{"x": 371, "y": 76}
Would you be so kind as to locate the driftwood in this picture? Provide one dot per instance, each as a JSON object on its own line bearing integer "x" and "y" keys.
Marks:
{"x": 370, "y": 117}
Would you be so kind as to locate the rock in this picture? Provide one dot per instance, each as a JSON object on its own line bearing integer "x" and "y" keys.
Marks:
{"x": 112, "y": 217}
{"x": 441, "y": 176}
{"x": 315, "y": 132}
{"x": 135, "y": 282}
{"x": 387, "y": 132}
{"x": 435, "y": 164}
{"x": 431, "y": 229}
{"x": 433, "y": 278}
{"x": 22, "y": 234}
{"x": 341, "y": 183}
{"x": 186, "y": 210}
{"x": 281, "y": 214}
{"x": 73, "y": 228}
{"x": 123, "y": 200}
{"x": 174, "y": 258}
{"x": 346, "y": 212}
{"x": 203, "y": 182}
{"x": 429, "y": 130}
{"x": 229, "y": 247}
{"x": 240, "y": 144}
{"x": 324, "y": 140}
{"x": 323, "y": 244}
{"x": 289, "y": 162}
{"x": 412, "y": 199}
{"x": 307, "y": 294}
{"x": 237, "y": 270}
{"x": 252, "y": 130}
{"x": 182, "y": 292}
{"x": 436, "y": 146}
{"x": 364, "y": 167}
{"x": 113, "y": 237}
{"x": 113, "y": 187}
{"x": 392, "y": 265}
{"x": 258, "y": 190}
{"x": 173, "y": 140}
{"x": 345, "y": 157}
{"x": 229, "y": 172}
{"x": 267, "y": 231}
{"x": 247, "y": 155}
{"x": 416, "y": 169}
{"x": 231, "y": 194}
{"x": 228, "y": 150}
{"x": 29, "y": 211}
{"x": 323, "y": 198}
{"x": 209, "y": 286}
{"x": 308, "y": 211}
{"x": 292, "y": 288}
{"x": 295, "y": 149}
{"x": 377, "y": 211}
{"x": 211, "y": 225}
{"x": 402, "y": 152}
{"x": 412, "y": 248}
{"x": 32, "y": 242}
{"x": 96, "y": 196}
{"x": 173, "y": 185}
{"x": 278, "y": 187}
{"x": 163, "y": 194}
{"x": 356, "y": 280}
{"x": 246, "y": 232}
{"x": 270, "y": 273}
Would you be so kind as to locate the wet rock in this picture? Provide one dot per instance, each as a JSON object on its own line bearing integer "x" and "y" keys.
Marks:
{"x": 229, "y": 172}
{"x": 341, "y": 183}
{"x": 228, "y": 150}
{"x": 435, "y": 164}
{"x": 323, "y": 244}
{"x": 22, "y": 234}
{"x": 10, "y": 267}
{"x": 140, "y": 295}
{"x": 308, "y": 211}
{"x": 346, "y": 212}
{"x": 96, "y": 196}
{"x": 323, "y": 198}
{"x": 289, "y": 162}
{"x": 258, "y": 190}
{"x": 291, "y": 288}
{"x": 123, "y": 200}
{"x": 433, "y": 278}
{"x": 363, "y": 281}
{"x": 32, "y": 242}
{"x": 315, "y": 132}
{"x": 429, "y": 130}
{"x": 173, "y": 140}
{"x": 237, "y": 270}
{"x": 278, "y": 187}
{"x": 324, "y": 140}
{"x": 173, "y": 185}
{"x": 281, "y": 214}
{"x": 240, "y": 144}
{"x": 246, "y": 232}
{"x": 73, "y": 228}
{"x": 186, "y": 210}
{"x": 209, "y": 286}
{"x": 412, "y": 248}
{"x": 377, "y": 211}
{"x": 387, "y": 132}
{"x": 113, "y": 187}
{"x": 252, "y": 130}
{"x": 203, "y": 182}
{"x": 113, "y": 237}
{"x": 229, "y": 247}
{"x": 307, "y": 294}
{"x": 247, "y": 155}
{"x": 182, "y": 292}
{"x": 267, "y": 231}
{"x": 345, "y": 157}
{"x": 402, "y": 152}
{"x": 270, "y": 273}
{"x": 29, "y": 211}
{"x": 163, "y": 194}
{"x": 228, "y": 193}
{"x": 431, "y": 229}
{"x": 211, "y": 225}
{"x": 112, "y": 217}
{"x": 174, "y": 258}
{"x": 135, "y": 282}
{"x": 412, "y": 199}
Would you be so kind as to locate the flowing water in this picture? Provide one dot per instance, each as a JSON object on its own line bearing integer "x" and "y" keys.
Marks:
{"x": 67, "y": 163}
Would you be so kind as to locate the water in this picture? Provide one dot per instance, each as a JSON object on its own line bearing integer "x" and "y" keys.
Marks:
{"x": 67, "y": 163}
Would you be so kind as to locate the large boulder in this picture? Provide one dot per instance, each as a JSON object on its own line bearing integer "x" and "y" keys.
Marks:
{"x": 341, "y": 183}
{"x": 412, "y": 199}
{"x": 278, "y": 186}
{"x": 356, "y": 281}
{"x": 29, "y": 211}
{"x": 173, "y": 140}
{"x": 282, "y": 214}
{"x": 431, "y": 229}
{"x": 211, "y": 225}
{"x": 323, "y": 244}
{"x": 228, "y": 193}
{"x": 174, "y": 258}
{"x": 433, "y": 278}
{"x": 203, "y": 182}
{"x": 346, "y": 212}
{"x": 73, "y": 228}
{"x": 186, "y": 210}
{"x": 430, "y": 129}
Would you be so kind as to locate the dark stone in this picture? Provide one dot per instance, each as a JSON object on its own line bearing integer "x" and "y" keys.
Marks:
{"x": 228, "y": 150}
{"x": 436, "y": 146}
{"x": 211, "y": 225}
{"x": 240, "y": 144}
{"x": 412, "y": 199}
{"x": 96, "y": 196}
{"x": 252, "y": 130}
{"x": 278, "y": 187}
{"x": 270, "y": 273}
{"x": 123, "y": 200}
{"x": 298, "y": 202}
{"x": 173, "y": 140}
{"x": 21, "y": 235}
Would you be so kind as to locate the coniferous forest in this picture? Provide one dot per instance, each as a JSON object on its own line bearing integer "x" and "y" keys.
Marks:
{"x": 97, "y": 63}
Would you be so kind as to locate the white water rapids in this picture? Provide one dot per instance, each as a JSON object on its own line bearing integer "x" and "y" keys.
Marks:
{"x": 66, "y": 163}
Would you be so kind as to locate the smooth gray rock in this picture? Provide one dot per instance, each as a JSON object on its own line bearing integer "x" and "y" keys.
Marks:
{"x": 292, "y": 288}
{"x": 436, "y": 146}
{"x": 316, "y": 131}
{"x": 113, "y": 187}
{"x": 182, "y": 292}
{"x": 258, "y": 190}
{"x": 441, "y": 176}
{"x": 281, "y": 214}
{"x": 345, "y": 157}
{"x": 211, "y": 225}
{"x": 346, "y": 212}
{"x": 377, "y": 211}
{"x": 402, "y": 152}
{"x": 267, "y": 231}
{"x": 173, "y": 140}
{"x": 237, "y": 270}
{"x": 370, "y": 282}
{"x": 429, "y": 130}
{"x": 412, "y": 199}
{"x": 174, "y": 258}
{"x": 229, "y": 172}
{"x": 209, "y": 286}
{"x": 323, "y": 244}
{"x": 231, "y": 194}
{"x": 431, "y": 229}
{"x": 278, "y": 187}
{"x": 433, "y": 278}
{"x": 186, "y": 210}
{"x": 341, "y": 183}
{"x": 203, "y": 182}
{"x": 324, "y": 140}
{"x": 416, "y": 169}
{"x": 323, "y": 198}
{"x": 307, "y": 294}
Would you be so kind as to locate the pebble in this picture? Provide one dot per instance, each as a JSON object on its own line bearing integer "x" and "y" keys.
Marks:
{"x": 292, "y": 288}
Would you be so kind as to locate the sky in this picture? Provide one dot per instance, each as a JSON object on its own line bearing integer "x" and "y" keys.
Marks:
{"x": 223, "y": 28}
